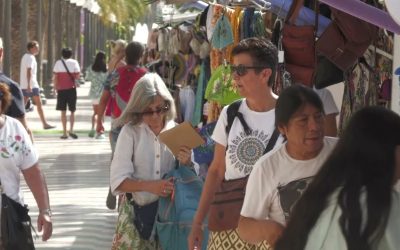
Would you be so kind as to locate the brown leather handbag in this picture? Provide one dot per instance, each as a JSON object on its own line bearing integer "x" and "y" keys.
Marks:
{"x": 299, "y": 45}
{"x": 225, "y": 210}
{"x": 346, "y": 39}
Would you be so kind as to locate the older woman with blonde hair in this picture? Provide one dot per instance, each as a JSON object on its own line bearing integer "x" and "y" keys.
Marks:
{"x": 18, "y": 156}
{"x": 141, "y": 160}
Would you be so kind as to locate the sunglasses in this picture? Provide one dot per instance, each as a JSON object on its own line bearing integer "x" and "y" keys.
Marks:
{"x": 241, "y": 70}
{"x": 158, "y": 111}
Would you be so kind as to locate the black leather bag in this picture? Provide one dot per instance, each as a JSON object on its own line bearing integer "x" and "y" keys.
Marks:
{"x": 327, "y": 73}
{"x": 16, "y": 225}
{"x": 144, "y": 219}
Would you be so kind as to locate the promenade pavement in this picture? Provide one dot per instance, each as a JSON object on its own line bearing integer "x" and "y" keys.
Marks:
{"x": 77, "y": 173}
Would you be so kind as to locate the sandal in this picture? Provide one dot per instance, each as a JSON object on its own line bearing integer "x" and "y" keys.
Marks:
{"x": 64, "y": 137}
{"x": 73, "y": 136}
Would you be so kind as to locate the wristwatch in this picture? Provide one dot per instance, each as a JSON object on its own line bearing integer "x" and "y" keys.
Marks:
{"x": 46, "y": 211}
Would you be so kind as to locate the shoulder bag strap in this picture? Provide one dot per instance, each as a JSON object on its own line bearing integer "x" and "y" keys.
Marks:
{"x": 294, "y": 11}
{"x": 272, "y": 141}
{"x": 69, "y": 73}
{"x": 232, "y": 113}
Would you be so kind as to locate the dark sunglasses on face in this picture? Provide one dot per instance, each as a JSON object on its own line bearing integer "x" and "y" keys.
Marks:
{"x": 158, "y": 111}
{"x": 241, "y": 69}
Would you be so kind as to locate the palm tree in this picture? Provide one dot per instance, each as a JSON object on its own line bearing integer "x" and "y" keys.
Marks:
{"x": 125, "y": 12}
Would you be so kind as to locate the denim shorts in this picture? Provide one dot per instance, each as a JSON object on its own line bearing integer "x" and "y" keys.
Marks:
{"x": 35, "y": 92}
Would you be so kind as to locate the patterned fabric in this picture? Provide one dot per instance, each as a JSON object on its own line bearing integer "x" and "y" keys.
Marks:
{"x": 230, "y": 240}
{"x": 126, "y": 236}
{"x": 97, "y": 79}
{"x": 360, "y": 90}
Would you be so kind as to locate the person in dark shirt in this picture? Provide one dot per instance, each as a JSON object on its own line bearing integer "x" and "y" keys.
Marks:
{"x": 17, "y": 107}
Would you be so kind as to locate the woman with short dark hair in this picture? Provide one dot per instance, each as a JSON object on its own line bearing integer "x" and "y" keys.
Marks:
{"x": 352, "y": 203}
{"x": 280, "y": 177}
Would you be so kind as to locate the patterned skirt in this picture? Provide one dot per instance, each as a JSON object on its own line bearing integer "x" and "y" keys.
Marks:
{"x": 230, "y": 240}
{"x": 126, "y": 235}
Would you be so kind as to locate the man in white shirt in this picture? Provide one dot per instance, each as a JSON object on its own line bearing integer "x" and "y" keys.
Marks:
{"x": 28, "y": 80}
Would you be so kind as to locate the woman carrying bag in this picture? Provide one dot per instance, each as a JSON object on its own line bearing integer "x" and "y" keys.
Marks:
{"x": 141, "y": 160}
{"x": 17, "y": 156}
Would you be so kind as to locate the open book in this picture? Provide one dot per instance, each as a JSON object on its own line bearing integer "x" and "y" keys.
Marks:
{"x": 181, "y": 135}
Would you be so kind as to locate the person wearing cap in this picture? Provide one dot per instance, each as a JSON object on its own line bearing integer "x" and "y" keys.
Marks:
{"x": 28, "y": 80}
{"x": 17, "y": 106}
{"x": 17, "y": 156}
{"x": 254, "y": 68}
{"x": 66, "y": 71}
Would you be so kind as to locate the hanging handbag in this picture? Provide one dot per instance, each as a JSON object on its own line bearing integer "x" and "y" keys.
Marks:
{"x": 225, "y": 209}
{"x": 299, "y": 46}
{"x": 346, "y": 39}
{"x": 327, "y": 73}
{"x": 16, "y": 225}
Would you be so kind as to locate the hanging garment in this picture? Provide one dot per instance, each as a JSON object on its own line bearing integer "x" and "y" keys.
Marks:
{"x": 360, "y": 90}
{"x": 187, "y": 98}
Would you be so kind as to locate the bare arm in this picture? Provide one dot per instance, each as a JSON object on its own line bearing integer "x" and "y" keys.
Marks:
{"x": 37, "y": 184}
{"x": 55, "y": 81}
{"x": 215, "y": 175}
{"x": 255, "y": 231}
{"x": 105, "y": 96}
{"x": 330, "y": 125}
{"x": 158, "y": 187}
{"x": 28, "y": 77}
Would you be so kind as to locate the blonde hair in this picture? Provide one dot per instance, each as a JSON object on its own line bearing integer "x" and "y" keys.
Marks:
{"x": 118, "y": 47}
{"x": 143, "y": 94}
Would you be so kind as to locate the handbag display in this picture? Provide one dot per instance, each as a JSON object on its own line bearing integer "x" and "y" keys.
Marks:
{"x": 225, "y": 209}
{"x": 299, "y": 45}
{"x": 16, "y": 225}
{"x": 346, "y": 39}
{"x": 327, "y": 73}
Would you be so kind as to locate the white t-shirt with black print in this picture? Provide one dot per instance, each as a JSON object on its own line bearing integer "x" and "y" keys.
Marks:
{"x": 278, "y": 181}
{"x": 243, "y": 151}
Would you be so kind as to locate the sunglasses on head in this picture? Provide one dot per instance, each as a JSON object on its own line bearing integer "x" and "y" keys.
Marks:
{"x": 158, "y": 111}
{"x": 241, "y": 69}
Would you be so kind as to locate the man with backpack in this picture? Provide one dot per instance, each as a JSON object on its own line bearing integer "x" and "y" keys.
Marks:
{"x": 117, "y": 89}
{"x": 240, "y": 142}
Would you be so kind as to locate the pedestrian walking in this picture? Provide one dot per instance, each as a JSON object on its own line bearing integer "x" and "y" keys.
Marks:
{"x": 96, "y": 74}
{"x": 352, "y": 203}
{"x": 17, "y": 106}
{"x": 150, "y": 111}
{"x": 255, "y": 61}
{"x": 28, "y": 80}
{"x": 66, "y": 73}
{"x": 278, "y": 179}
{"x": 18, "y": 155}
{"x": 117, "y": 90}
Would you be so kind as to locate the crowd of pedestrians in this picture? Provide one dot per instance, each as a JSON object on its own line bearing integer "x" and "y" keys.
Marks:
{"x": 304, "y": 188}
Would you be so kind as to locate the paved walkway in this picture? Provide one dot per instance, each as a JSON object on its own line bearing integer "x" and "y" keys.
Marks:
{"x": 77, "y": 174}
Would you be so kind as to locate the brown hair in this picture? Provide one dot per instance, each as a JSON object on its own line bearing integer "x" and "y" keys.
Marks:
{"x": 5, "y": 100}
{"x": 32, "y": 44}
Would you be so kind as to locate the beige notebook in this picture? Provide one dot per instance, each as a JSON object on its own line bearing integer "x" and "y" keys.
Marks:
{"x": 181, "y": 135}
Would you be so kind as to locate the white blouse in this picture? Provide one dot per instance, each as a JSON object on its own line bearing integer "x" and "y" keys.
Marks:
{"x": 140, "y": 155}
